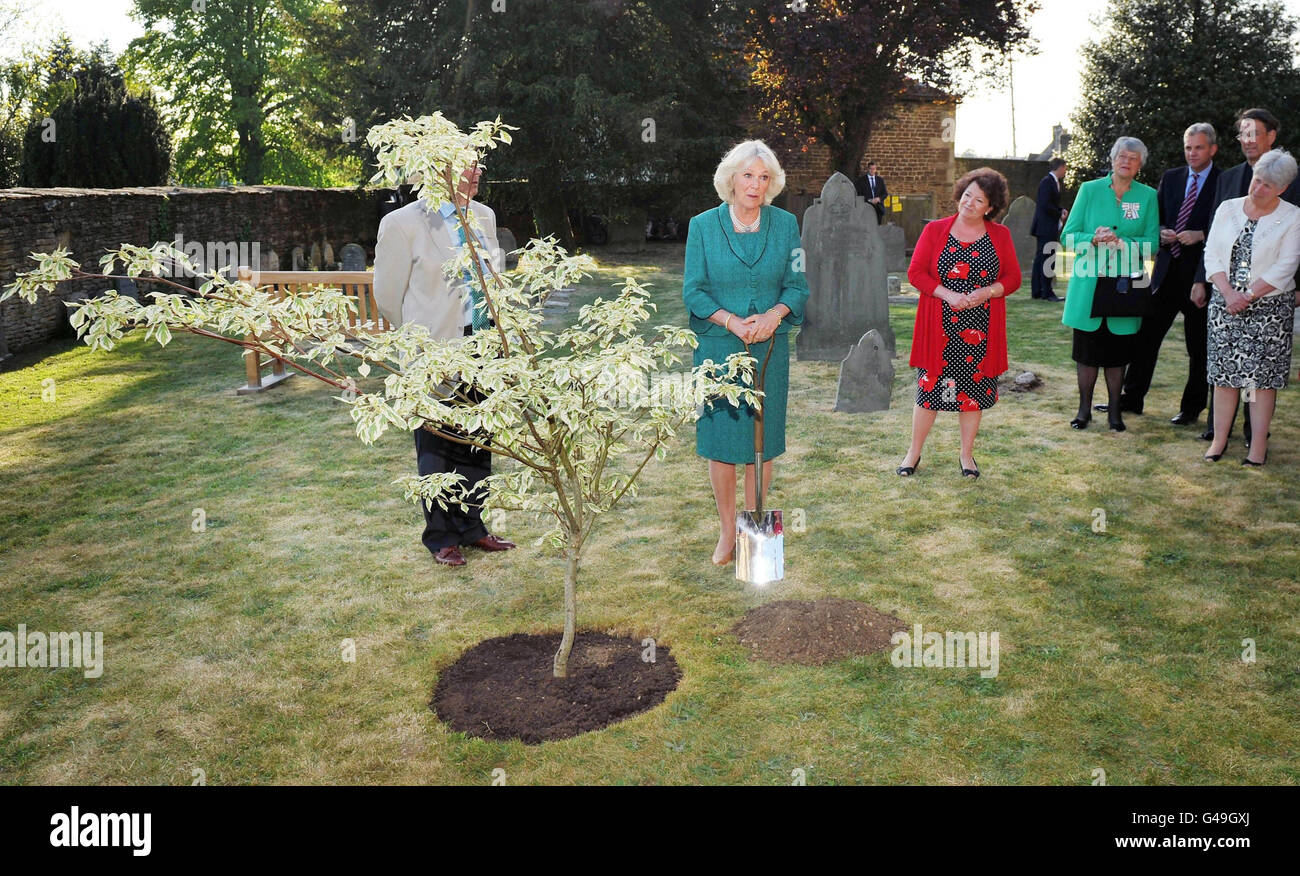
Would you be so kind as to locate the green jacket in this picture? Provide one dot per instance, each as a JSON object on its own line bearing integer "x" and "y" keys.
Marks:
{"x": 1136, "y": 220}
{"x": 717, "y": 274}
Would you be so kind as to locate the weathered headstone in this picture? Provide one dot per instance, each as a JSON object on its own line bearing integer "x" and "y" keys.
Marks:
{"x": 895, "y": 247}
{"x": 127, "y": 288}
{"x": 314, "y": 260}
{"x": 895, "y": 286}
{"x": 1019, "y": 219}
{"x": 506, "y": 238}
{"x": 297, "y": 259}
{"x": 354, "y": 257}
{"x": 327, "y": 257}
{"x": 270, "y": 260}
{"x": 866, "y": 377}
{"x": 845, "y": 260}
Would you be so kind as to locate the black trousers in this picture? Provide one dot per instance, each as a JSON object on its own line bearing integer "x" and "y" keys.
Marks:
{"x": 1170, "y": 300}
{"x": 1040, "y": 285}
{"x": 437, "y": 455}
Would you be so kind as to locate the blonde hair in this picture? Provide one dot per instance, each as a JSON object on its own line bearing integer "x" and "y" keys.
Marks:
{"x": 740, "y": 157}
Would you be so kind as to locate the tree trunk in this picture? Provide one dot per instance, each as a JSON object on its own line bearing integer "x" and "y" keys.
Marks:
{"x": 550, "y": 215}
{"x": 570, "y": 614}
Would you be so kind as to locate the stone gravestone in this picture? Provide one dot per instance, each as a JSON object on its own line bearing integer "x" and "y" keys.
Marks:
{"x": 127, "y": 287}
{"x": 1019, "y": 219}
{"x": 354, "y": 257}
{"x": 270, "y": 261}
{"x": 895, "y": 248}
{"x": 845, "y": 260}
{"x": 298, "y": 259}
{"x": 327, "y": 257}
{"x": 506, "y": 238}
{"x": 866, "y": 377}
{"x": 314, "y": 260}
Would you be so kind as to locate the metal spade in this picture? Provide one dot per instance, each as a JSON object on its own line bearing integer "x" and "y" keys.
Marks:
{"x": 760, "y": 539}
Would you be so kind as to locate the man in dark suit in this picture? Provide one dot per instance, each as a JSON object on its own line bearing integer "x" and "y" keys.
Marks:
{"x": 871, "y": 185}
{"x": 1186, "y": 196}
{"x": 1257, "y": 131}
{"x": 1046, "y": 228}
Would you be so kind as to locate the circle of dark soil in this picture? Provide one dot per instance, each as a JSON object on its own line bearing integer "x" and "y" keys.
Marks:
{"x": 816, "y": 632}
{"x": 503, "y": 688}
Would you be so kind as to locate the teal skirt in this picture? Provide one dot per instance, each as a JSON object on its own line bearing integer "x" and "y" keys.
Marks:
{"x": 725, "y": 432}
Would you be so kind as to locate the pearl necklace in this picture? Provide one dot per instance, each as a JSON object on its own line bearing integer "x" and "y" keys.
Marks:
{"x": 742, "y": 227}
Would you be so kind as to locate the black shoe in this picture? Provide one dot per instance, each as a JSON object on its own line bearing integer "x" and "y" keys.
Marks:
{"x": 1182, "y": 418}
{"x": 1252, "y": 463}
{"x": 1128, "y": 407}
{"x": 1102, "y": 408}
{"x": 906, "y": 471}
{"x": 1207, "y": 435}
{"x": 1080, "y": 422}
{"x": 1213, "y": 457}
{"x": 1116, "y": 425}
{"x": 1053, "y": 297}
{"x": 969, "y": 472}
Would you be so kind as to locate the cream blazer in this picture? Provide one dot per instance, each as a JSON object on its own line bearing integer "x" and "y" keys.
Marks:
{"x": 1274, "y": 251}
{"x": 410, "y": 285}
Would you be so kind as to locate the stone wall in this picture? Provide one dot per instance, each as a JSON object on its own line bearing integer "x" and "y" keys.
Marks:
{"x": 89, "y": 221}
{"x": 914, "y": 151}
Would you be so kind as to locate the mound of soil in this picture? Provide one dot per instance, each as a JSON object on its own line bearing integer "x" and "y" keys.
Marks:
{"x": 817, "y": 632}
{"x": 503, "y": 688}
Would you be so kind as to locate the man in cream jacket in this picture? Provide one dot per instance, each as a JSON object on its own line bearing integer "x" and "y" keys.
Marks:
{"x": 410, "y": 285}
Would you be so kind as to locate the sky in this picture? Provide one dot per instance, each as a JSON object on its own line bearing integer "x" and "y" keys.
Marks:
{"x": 1046, "y": 84}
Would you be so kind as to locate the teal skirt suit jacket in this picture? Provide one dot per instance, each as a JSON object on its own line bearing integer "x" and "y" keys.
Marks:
{"x": 1136, "y": 220}
{"x": 743, "y": 274}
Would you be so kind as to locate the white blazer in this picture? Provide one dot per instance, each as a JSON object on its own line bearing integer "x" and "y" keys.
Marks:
{"x": 1275, "y": 247}
{"x": 410, "y": 285}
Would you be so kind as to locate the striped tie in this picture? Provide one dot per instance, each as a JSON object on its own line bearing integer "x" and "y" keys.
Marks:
{"x": 1176, "y": 249}
{"x": 479, "y": 318}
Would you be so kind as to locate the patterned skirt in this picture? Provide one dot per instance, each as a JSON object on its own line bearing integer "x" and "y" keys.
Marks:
{"x": 1251, "y": 349}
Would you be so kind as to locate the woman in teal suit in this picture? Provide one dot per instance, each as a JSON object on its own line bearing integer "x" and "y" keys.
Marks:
{"x": 1114, "y": 227}
{"x": 743, "y": 284}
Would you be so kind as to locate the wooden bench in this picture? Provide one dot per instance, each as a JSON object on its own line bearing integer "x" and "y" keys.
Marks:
{"x": 357, "y": 284}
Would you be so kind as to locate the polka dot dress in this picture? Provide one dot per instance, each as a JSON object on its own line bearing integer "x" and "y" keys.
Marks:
{"x": 961, "y": 386}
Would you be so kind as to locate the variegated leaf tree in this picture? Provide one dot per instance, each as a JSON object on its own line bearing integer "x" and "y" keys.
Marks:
{"x": 571, "y": 416}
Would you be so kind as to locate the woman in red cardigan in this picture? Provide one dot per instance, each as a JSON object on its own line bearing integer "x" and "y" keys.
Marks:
{"x": 963, "y": 266}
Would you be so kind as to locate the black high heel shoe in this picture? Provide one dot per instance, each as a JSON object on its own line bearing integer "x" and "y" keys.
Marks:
{"x": 1212, "y": 457}
{"x": 971, "y": 473}
{"x": 1116, "y": 425}
{"x": 906, "y": 471}
{"x": 1080, "y": 422}
{"x": 1252, "y": 463}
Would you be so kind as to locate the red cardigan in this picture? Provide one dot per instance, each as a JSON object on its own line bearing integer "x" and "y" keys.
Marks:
{"x": 928, "y": 339}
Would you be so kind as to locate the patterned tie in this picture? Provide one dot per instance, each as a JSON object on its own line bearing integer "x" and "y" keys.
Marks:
{"x": 1175, "y": 248}
{"x": 479, "y": 317}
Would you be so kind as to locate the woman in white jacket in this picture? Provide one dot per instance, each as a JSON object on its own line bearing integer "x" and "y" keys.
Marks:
{"x": 1251, "y": 258}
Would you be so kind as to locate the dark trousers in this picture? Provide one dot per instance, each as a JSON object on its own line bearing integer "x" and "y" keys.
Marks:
{"x": 437, "y": 455}
{"x": 1170, "y": 300}
{"x": 1040, "y": 284}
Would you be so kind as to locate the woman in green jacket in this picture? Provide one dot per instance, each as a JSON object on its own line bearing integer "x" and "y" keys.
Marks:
{"x": 743, "y": 284}
{"x": 1113, "y": 228}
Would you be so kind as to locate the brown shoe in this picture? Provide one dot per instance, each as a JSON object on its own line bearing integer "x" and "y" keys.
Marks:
{"x": 490, "y": 542}
{"x": 450, "y": 556}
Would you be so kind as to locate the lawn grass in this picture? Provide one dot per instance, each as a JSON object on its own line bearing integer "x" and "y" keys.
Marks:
{"x": 1120, "y": 650}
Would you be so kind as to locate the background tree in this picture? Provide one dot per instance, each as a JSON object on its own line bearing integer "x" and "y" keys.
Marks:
{"x": 619, "y": 102}
{"x": 235, "y": 73}
{"x": 101, "y": 136}
{"x": 834, "y": 69}
{"x": 31, "y": 86}
{"x": 1165, "y": 64}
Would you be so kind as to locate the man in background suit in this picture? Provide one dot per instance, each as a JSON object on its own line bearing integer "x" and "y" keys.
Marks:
{"x": 414, "y": 244}
{"x": 1186, "y": 196}
{"x": 871, "y": 186}
{"x": 1046, "y": 227}
{"x": 1257, "y": 131}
